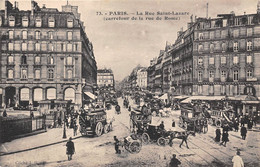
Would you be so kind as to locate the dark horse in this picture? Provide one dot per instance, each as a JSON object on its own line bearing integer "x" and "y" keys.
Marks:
{"x": 180, "y": 135}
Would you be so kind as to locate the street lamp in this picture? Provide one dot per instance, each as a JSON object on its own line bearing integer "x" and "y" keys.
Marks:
{"x": 64, "y": 129}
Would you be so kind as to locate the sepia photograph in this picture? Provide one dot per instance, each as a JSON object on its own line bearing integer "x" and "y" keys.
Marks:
{"x": 129, "y": 83}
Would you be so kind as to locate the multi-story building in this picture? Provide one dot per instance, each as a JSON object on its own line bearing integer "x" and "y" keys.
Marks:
{"x": 226, "y": 55}
{"x": 45, "y": 55}
{"x": 182, "y": 61}
{"x": 105, "y": 79}
{"x": 151, "y": 74}
{"x": 142, "y": 78}
{"x": 166, "y": 69}
{"x": 158, "y": 74}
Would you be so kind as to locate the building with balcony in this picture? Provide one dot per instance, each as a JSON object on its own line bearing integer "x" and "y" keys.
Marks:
{"x": 105, "y": 79}
{"x": 182, "y": 61}
{"x": 45, "y": 55}
{"x": 141, "y": 80}
{"x": 226, "y": 55}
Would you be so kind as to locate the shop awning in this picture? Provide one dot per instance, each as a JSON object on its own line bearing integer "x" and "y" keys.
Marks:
{"x": 251, "y": 101}
{"x": 205, "y": 98}
{"x": 180, "y": 97}
{"x": 89, "y": 94}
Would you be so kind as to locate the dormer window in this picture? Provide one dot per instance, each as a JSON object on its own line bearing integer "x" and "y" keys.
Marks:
{"x": 11, "y": 21}
{"x": 38, "y": 22}
{"x": 51, "y": 22}
{"x": 25, "y": 21}
{"x": 70, "y": 23}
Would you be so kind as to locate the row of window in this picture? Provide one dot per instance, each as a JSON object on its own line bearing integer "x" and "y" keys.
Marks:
{"x": 223, "y": 89}
{"x": 38, "y": 35}
{"x": 37, "y": 60}
{"x": 249, "y": 75}
{"x": 212, "y": 47}
{"x": 37, "y": 74}
{"x": 38, "y": 22}
{"x": 43, "y": 47}
{"x": 223, "y": 34}
{"x": 223, "y": 60}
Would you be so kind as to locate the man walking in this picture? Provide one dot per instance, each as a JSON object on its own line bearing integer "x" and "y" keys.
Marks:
{"x": 224, "y": 138}
{"x": 174, "y": 161}
{"x": 243, "y": 132}
{"x": 70, "y": 149}
{"x": 116, "y": 145}
{"x": 218, "y": 135}
{"x": 237, "y": 160}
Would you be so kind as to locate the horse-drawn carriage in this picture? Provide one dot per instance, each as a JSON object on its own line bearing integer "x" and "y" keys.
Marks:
{"x": 94, "y": 122}
{"x": 155, "y": 134}
{"x": 220, "y": 118}
{"x": 193, "y": 118}
{"x": 139, "y": 118}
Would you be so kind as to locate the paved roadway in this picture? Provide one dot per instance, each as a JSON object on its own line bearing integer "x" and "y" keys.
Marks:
{"x": 99, "y": 151}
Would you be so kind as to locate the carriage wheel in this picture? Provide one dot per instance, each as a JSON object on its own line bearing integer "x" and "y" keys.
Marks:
{"x": 99, "y": 129}
{"x": 106, "y": 128}
{"x": 145, "y": 138}
{"x": 185, "y": 125}
{"x": 161, "y": 141}
{"x": 135, "y": 147}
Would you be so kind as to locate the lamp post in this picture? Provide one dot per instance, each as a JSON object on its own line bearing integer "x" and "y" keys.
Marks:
{"x": 64, "y": 129}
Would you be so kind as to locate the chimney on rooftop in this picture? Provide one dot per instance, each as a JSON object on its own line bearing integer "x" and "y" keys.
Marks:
{"x": 6, "y": 8}
{"x": 32, "y": 7}
{"x": 43, "y": 6}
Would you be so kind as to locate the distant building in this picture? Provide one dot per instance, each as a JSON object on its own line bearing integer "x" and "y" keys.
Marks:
{"x": 142, "y": 78}
{"x": 45, "y": 55}
{"x": 105, "y": 79}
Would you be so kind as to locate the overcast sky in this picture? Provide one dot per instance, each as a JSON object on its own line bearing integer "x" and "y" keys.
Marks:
{"x": 122, "y": 45}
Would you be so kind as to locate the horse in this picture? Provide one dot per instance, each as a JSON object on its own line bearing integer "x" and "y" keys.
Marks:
{"x": 180, "y": 135}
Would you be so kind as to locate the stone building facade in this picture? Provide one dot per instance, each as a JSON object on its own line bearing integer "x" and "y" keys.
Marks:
{"x": 45, "y": 55}
{"x": 226, "y": 55}
{"x": 105, "y": 79}
{"x": 142, "y": 78}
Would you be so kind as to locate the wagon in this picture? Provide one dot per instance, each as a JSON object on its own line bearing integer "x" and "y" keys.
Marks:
{"x": 94, "y": 122}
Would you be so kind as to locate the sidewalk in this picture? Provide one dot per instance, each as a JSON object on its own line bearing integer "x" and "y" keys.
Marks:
{"x": 51, "y": 137}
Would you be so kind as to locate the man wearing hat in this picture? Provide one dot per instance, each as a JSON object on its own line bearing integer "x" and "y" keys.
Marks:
{"x": 174, "y": 161}
{"x": 237, "y": 160}
{"x": 70, "y": 149}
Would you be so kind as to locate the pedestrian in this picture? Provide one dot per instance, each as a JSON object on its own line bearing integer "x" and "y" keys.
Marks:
{"x": 205, "y": 126}
{"x": 59, "y": 122}
{"x": 224, "y": 138}
{"x": 117, "y": 145}
{"x": 250, "y": 123}
{"x": 173, "y": 123}
{"x": 174, "y": 161}
{"x": 129, "y": 108}
{"x": 237, "y": 160}
{"x": 75, "y": 129}
{"x": 243, "y": 131}
{"x": 4, "y": 113}
{"x": 70, "y": 149}
{"x": 31, "y": 114}
{"x": 236, "y": 125}
{"x": 218, "y": 135}
{"x": 242, "y": 121}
